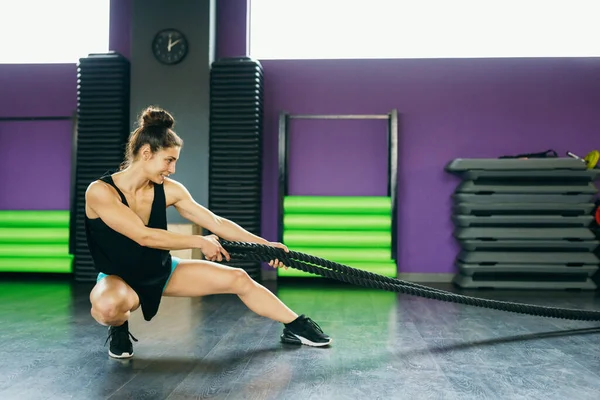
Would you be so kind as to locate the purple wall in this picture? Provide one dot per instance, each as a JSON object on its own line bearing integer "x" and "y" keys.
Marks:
{"x": 335, "y": 157}
{"x": 37, "y": 162}
{"x": 38, "y": 154}
{"x": 232, "y": 23}
{"x": 120, "y": 27}
{"x": 33, "y": 90}
{"x": 449, "y": 109}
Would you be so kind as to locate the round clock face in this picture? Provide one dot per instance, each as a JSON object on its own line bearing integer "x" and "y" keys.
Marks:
{"x": 169, "y": 46}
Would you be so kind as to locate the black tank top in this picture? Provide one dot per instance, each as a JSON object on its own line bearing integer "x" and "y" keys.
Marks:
{"x": 116, "y": 254}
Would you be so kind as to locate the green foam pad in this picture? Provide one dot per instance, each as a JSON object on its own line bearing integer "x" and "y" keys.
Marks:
{"x": 348, "y": 256}
{"x": 316, "y": 238}
{"x": 34, "y": 218}
{"x": 337, "y": 222}
{"x": 60, "y": 264}
{"x": 34, "y": 235}
{"x": 372, "y": 205}
{"x": 16, "y": 250}
{"x": 386, "y": 268}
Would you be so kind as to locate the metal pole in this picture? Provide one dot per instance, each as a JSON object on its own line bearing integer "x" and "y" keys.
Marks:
{"x": 393, "y": 178}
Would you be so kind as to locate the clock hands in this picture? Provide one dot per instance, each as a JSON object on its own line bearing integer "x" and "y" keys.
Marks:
{"x": 171, "y": 44}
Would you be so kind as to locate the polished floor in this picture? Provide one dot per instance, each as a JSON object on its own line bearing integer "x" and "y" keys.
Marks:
{"x": 386, "y": 346}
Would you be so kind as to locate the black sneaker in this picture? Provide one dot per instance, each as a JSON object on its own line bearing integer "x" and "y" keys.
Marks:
{"x": 304, "y": 330}
{"x": 120, "y": 345}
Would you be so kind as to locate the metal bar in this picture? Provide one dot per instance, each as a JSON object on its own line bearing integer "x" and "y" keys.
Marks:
{"x": 283, "y": 151}
{"x": 73, "y": 201}
{"x": 393, "y": 178}
{"x": 59, "y": 118}
{"x": 349, "y": 116}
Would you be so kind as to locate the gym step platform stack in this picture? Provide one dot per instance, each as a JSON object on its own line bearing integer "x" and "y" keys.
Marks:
{"x": 102, "y": 132}
{"x": 525, "y": 223}
{"x": 236, "y": 130}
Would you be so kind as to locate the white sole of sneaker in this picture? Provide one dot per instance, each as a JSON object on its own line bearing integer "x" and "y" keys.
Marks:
{"x": 124, "y": 355}
{"x": 313, "y": 344}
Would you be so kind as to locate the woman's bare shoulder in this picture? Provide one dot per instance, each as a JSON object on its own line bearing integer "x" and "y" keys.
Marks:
{"x": 174, "y": 191}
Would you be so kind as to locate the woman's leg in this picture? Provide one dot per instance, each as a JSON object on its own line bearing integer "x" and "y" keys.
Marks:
{"x": 195, "y": 278}
{"x": 112, "y": 301}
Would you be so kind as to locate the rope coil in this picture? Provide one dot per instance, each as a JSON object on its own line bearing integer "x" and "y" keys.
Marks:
{"x": 344, "y": 273}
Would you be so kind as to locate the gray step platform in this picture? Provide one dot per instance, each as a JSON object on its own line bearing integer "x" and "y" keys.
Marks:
{"x": 483, "y": 282}
{"x": 522, "y": 220}
{"x": 472, "y": 187}
{"x": 524, "y": 208}
{"x": 525, "y": 234}
{"x": 486, "y": 198}
{"x": 544, "y": 175}
{"x": 548, "y": 258}
{"x": 507, "y": 164}
{"x": 526, "y": 269}
{"x": 530, "y": 245}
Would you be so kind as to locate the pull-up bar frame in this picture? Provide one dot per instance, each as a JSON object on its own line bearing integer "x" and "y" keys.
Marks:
{"x": 392, "y": 187}
{"x": 347, "y": 116}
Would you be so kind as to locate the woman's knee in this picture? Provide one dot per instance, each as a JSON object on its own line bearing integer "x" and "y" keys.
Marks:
{"x": 241, "y": 282}
{"x": 112, "y": 302}
{"x": 109, "y": 308}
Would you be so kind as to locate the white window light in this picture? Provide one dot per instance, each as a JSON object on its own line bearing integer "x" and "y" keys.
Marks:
{"x": 56, "y": 31}
{"x": 330, "y": 29}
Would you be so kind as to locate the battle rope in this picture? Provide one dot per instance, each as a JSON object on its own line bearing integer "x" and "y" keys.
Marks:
{"x": 344, "y": 273}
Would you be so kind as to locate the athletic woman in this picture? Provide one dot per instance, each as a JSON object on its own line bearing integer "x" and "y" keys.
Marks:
{"x": 127, "y": 236}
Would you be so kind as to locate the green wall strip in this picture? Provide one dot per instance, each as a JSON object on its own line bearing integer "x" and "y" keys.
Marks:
{"x": 61, "y": 264}
{"x": 337, "y": 205}
{"x": 27, "y": 218}
{"x": 384, "y": 268}
{"x": 355, "y": 231}
{"x": 34, "y": 250}
{"x": 337, "y": 222}
{"x": 348, "y": 255}
{"x": 35, "y": 241}
{"x": 34, "y": 235}
{"x": 316, "y": 238}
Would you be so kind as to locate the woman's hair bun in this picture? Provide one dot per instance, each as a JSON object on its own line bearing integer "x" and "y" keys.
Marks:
{"x": 155, "y": 116}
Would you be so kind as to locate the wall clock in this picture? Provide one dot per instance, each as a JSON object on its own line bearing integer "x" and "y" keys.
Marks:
{"x": 169, "y": 46}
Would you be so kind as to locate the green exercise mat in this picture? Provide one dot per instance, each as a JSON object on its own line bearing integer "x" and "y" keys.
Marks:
{"x": 34, "y": 218}
{"x": 372, "y": 205}
{"x": 337, "y": 222}
{"x": 34, "y": 250}
{"x": 353, "y": 239}
{"x": 34, "y": 235}
{"x": 57, "y": 264}
{"x": 385, "y": 268}
{"x": 351, "y": 230}
{"x": 349, "y": 255}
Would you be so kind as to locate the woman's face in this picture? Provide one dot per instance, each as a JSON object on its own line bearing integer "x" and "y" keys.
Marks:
{"x": 161, "y": 164}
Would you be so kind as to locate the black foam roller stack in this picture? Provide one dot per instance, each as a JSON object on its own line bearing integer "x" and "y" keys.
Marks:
{"x": 236, "y": 130}
{"x": 102, "y": 131}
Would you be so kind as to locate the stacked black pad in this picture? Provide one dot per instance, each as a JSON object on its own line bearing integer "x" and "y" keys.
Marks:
{"x": 102, "y": 131}
{"x": 235, "y": 163}
{"x": 525, "y": 223}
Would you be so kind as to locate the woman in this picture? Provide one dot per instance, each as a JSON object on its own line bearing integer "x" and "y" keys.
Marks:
{"x": 127, "y": 236}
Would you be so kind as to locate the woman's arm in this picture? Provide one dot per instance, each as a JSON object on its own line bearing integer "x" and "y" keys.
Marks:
{"x": 182, "y": 200}
{"x": 100, "y": 199}
{"x": 189, "y": 209}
